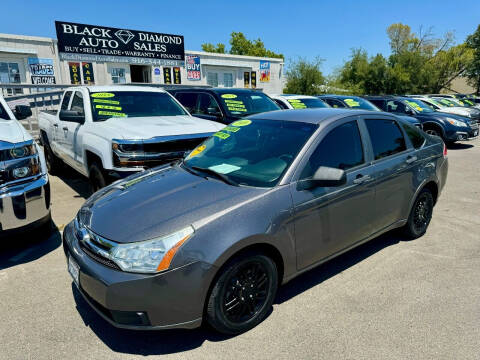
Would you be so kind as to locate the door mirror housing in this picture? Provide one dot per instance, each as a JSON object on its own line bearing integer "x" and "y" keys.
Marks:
{"x": 72, "y": 116}
{"x": 22, "y": 112}
{"x": 409, "y": 111}
{"x": 324, "y": 177}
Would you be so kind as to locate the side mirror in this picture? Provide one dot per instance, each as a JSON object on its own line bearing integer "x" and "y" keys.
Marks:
{"x": 325, "y": 176}
{"x": 72, "y": 116}
{"x": 409, "y": 111}
{"x": 22, "y": 112}
{"x": 214, "y": 111}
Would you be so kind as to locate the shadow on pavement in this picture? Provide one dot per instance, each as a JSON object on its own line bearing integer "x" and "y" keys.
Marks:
{"x": 28, "y": 246}
{"x": 459, "y": 146}
{"x": 75, "y": 181}
{"x": 175, "y": 341}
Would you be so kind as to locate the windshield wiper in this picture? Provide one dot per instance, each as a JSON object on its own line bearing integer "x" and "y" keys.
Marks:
{"x": 222, "y": 177}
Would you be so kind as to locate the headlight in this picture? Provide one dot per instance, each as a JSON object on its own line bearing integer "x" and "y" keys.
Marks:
{"x": 128, "y": 154}
{"x": 150, "y": 256}
{"x": 456, "y": 122}
{"x": 23, "y": 151}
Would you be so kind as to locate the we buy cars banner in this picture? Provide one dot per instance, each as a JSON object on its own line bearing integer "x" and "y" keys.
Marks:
{"x": 192, "y": 64}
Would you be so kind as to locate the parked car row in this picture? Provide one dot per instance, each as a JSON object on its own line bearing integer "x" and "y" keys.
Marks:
{"x": 157, "y": 249}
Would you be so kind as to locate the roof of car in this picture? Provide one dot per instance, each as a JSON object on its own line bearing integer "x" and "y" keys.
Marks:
{"x": 103, "y": 88}
{"x": 313, "y": 115}
{"x": 293, "y": 96}
{"x": 341, "y": 97}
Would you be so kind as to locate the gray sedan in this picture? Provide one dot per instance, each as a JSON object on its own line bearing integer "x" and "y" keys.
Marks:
{"x": 212, "y": 237}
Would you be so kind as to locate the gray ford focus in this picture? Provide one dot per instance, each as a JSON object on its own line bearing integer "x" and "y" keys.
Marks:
{"x": 211, "y": 238}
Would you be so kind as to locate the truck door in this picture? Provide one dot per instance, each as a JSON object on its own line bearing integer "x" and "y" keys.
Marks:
{"x": 58, "y": 144}
{"x": 68, "y": 131}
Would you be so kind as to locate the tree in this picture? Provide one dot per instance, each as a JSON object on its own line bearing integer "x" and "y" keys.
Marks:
{"x": 304, "y": 77}
{"x": 473, "y": 69}
{"x": 240, "y": 45}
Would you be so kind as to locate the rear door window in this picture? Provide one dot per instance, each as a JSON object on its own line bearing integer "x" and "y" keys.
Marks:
{"x": 207, "y": 105}
{"x": 341, "y": 148}
{"x": 396, "y": 106}
{"x": 77, "y": 103}
{"x": 386, "y": 137}
{"x": 334, "y": 103}
{"x": 378, "y": 103}
{"x": 66, "y": 100}
{"x": 414, "y": 134}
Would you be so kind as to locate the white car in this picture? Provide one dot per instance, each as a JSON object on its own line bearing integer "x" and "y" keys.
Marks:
{"x": 109, "y": 132}
{"x": 286, "y": 101}
{"x": 446, "y": 106}
{"x": 24, "y": 185}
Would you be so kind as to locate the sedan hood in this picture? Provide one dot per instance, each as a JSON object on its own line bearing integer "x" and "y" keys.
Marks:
{"x": 159, "y": 202}
{"x": 11, "y": 131}
{"x": 138, "y": 128}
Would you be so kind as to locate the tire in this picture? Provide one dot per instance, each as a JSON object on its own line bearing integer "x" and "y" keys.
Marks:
{"x": 54, "y": 164}
{"x": 435, "y": 132}
{"x": 96, "y": 177}
{"x": 241, "y": 280}
{"x": 420, "y": 215}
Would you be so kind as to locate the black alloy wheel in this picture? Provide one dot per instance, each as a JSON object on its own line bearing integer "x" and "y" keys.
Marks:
{"x": 243, "y": 294}
{"x": 420, "y": 215}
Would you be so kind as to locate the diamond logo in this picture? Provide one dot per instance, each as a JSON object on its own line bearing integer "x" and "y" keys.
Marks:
{"x": 125, "y": 36}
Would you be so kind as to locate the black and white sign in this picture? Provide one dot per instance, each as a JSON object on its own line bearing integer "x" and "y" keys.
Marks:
{"x": 98, "y": 43}
{"x": 42, "y": 71}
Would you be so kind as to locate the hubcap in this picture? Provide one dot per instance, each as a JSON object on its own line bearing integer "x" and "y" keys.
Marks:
{"x": 422, "y": 214}
{"x": 246, "y": 292}
{"x": 431, "y": 132}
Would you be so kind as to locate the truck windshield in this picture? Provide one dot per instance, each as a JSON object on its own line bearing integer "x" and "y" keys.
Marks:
{"x": 3, "y": 113}
{"x": 251, "y": 152}
{"x": 119, "y": 104}
{"x": 243, "y": 103}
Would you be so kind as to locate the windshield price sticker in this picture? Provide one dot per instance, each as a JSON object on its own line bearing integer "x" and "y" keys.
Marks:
{"x": 229, "y": 96}
{"x": 297, "y": 104}
{"x": 111, "y": 113}
{"x": 414, "y": 105}
{"x": 231, "y": 129}
{"x": 235, "y": 105}
{"x": 108, "y": 107}
{"x": 221, "y": 135}
{"x": 197, "y": 151}
{"x": 102, "y": 101}
{"x": 102, "y": 95}
{"x": 224, "y": 168}
{"x": 352, "y": 102}
{"x": 241, "y": 123}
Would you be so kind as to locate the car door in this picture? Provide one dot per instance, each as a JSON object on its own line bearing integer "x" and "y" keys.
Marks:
{"x": 68, "y": 131}
{"x": 393, "y": 169}
{"x": 330, "y": 219}
{"x": 58, "y": 144}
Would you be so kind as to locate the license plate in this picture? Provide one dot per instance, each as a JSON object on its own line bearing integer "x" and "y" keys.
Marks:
{"x": 73, "y": 269}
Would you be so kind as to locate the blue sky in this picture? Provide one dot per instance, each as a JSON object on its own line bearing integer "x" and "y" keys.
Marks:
{"x": 328, "y": 29}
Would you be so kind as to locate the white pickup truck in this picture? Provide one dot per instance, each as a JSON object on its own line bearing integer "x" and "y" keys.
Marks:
{"x": 109, "y": 132}
{"x": 24, "y": 186}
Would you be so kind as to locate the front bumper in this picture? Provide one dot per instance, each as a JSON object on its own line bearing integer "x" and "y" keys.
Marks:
{"x": 462, "y": 134}
{"x": 24, "y": 204}
{"x": 172, "y": 299}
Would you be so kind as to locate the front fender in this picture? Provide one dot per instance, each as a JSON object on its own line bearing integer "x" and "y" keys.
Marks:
{"x": 98, "y": 146}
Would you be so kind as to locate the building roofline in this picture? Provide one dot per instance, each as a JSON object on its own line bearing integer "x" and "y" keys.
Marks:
{"x": 26, "y": 38}
{"x": 194, "y": 52}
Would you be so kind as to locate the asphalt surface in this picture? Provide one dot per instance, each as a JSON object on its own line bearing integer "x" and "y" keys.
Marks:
{"x": 388, "y": 299}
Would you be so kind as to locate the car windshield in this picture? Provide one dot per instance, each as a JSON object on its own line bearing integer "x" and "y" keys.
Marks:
{"x": 359, "y": 103}
{"x": 3, "y": 113}
{"x": 304, "y": 103}
{"x": 244, "y": 103}
{"x": 433, "y": 102}
{"x": 251, "y": 152}
{"x": 120, "y": 104}
{"x": 446, "y": 102}
{"x": 419, "y": 106}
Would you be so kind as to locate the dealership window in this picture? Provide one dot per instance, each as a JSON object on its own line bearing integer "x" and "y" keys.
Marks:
{"x": 212, "y": 79}
{"x": 228, "y": 79}
{"x": 10, "y": 74}
{"x": 118, "y": 76}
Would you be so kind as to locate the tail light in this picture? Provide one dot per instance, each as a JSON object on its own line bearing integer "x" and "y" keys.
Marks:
{"x": 445, "y": 151}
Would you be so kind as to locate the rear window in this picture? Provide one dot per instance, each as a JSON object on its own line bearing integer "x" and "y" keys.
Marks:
{"x": 3, "y": 113}
{"x": 386, "y": 137}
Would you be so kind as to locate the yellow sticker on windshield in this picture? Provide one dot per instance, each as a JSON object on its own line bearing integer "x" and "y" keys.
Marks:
{"x": 293, "y": 101}
{"x": 108, "y": 107}
{"x": 102, "y": 101}
{"x": 111, "y": 113}
{"x": 197, "y": 151}
{"x": 221, "y": 135}
{"x": 102, "y": 95}
{"x": 242, "y": 123}
{"x": 231, "y": 129}
{"x": 229, "y": 96}
{"x": 352, "y": 103}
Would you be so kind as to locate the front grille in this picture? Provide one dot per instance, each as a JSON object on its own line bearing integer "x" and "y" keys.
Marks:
{"x": 172, "y": 146}
{"x": 98, "y": 258}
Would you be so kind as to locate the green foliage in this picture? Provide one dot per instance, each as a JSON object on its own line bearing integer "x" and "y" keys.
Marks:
{"x": 304, "y": 77}
{"x": 473, "y": 70}
{"x": 419, "y": 63}
{"x": 240, "y": 45}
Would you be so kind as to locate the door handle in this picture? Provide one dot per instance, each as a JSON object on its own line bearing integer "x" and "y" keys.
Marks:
{"x": 411, "y": 159}
{"x": 65, "y": 129}
{"x": 361, "y": 179}
{"x": 55, "y": 125}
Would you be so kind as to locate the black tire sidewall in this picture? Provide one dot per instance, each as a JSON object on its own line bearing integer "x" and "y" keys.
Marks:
{"x": 96, "y": 177}
{"x": 411, "y": 230}
{"x": 215, "y": 314}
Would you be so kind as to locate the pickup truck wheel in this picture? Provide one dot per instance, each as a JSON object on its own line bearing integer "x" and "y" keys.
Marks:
{"x": 96, "y": 177}
{"x": 420, "y": 215}
{"x": 243, "y": 294}
{"x": 54, "y": 164}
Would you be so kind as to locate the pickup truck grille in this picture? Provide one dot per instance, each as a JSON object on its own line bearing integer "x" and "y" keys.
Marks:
{"x": 172, "y": 146}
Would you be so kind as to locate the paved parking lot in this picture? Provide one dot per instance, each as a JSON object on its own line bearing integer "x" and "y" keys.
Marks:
{"x": 388, "y": 299}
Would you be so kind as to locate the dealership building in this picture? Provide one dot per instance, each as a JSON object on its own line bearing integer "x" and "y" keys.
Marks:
{"x": 85, "y": 54}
